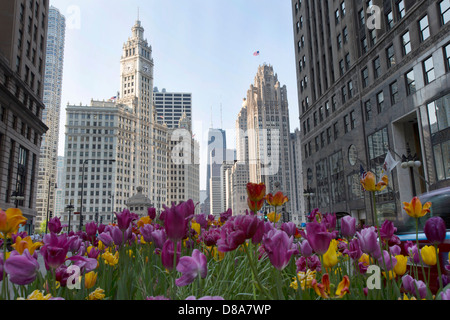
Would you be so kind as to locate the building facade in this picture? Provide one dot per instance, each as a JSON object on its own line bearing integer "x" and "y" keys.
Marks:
{"x": 46, "y": 183}
{"x": 373, "y": 77}
{"x": 268, "y": 132}
{"x": 22, "y": 69}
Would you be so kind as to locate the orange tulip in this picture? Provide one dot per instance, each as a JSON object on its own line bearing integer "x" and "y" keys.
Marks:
{"x": 256, "y": 191}
{"x": 11, "y": 220}
{"x": 273, "y": 217}
{"x": 276, "y": 200}
{"x": 415, "y": 209}
{"x": 369, "y": 184}
{"x": 255, "y": 205}
{"x": 324, "y": 289}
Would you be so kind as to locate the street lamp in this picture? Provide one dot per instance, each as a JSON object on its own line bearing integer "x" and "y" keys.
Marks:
{"x": 16, "y": 196}
{"x": 82, "y": 186}
{"x": 70, "y": 207}
{"x": 411, "y": 162}
{"x": 308, "y": 192}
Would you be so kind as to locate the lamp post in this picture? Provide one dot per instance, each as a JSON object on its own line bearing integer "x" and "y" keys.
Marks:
{"x": 411, "y": 162}
{"x": 16, "y": 197}
{"x": 70, "y": 207}
{"x": 48, "y": 202}
{"x": 308, "y": 192}
{"x": 82, "y": 186}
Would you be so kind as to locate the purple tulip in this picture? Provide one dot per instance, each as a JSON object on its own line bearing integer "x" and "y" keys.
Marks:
{"x": 151, "y": 212}
{"x": 259, "y": 233}
{"x": 55, "y": 249}
{"x": 318, "y": 237}
{"x": 312, "y": 215}
{"x": 416, "y": 287}
{"x": 247, "y": 223}
{"x": 62, "y": 275}
{"x": 124, "y": 219}
{"x": 395, "y": 250}
{"x": 211, "y": 236}
{"x": 201, "y": 220}
{"x": 93, "y": 253}
{"x": 312, "y": 263}
{"x": 91, "y": 230}
{"x": 176, "y": 220}
{"x": 191, "y": 267}
{"x": 289, "y": 228}
{"x": 22, "y": 269}
{"x": 101, "y": 228}
{"x": 348, "y": 226}
{"x": 368, "y": 242}
{"x": 159, "y": 238}
{"x": 278, "y": 246}
{"x": 85, "y": 264}
{"x": 224, "y": 216}
{"x": 167, "y": 254}
{"x": 146, "y": 231}
{"x": 412, "y": 251}
{"x": 435, "y": 230}
{"x": 54, "y": 225}
{"x": 387, "y": 230}
{"x": 330, "y": 221}
{"x": 445, "y": 295}
{"x": 306, "y": 249}
{"x": 389, "y": 261}
{"x": 230, "y": 238}
{"x": 106, "y": 238}
{"x": 354, "y": 250}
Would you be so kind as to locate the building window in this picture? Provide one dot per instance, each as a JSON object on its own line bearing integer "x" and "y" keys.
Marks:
{"x": 393, "y": 87}
{"x": 439, "y": 118}
{"x": 328, "y": 135}
{"x": 390, "y": 55}
{"x": 335, "y": 130}
{"x": 424, "y": 28}
{"x": 380, "y": 101}
{"x": 341, "y": 67}
{"x": 336, "y": 164}
{"x": 339, "y": 41}
{"x": 368, "y": 109}
{"x": 377, "y": 67}
{"x": 350, "y": 89}
{"x": 406, "y": 43}
{"x": 343, "y": 8}
{"x": 345, "y": 33}
{"x": 365, "y": 77}
{"x": 364, "y": 46}
{"x": 336, "y": 16}
{"x": 389, "y": 20}
{"x": 429, "y": 70}
{"x": 347, "y": 61}
{"x": 373, "y": 37}
{"x": 352, "y": 120}
{"x": 346, "y": 123}
{"x": 362, "y": 18}
{"x": 344, "y": 94}
{"x": 333, "y": 103}
{"x": 444, "y": 7}
{"x": 410, "y": 82}
{"x": 400, "y": 9}
{"x": 447, "y": 56}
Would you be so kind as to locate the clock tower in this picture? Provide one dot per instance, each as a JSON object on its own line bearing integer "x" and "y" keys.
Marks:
{"x": 148, "y": 159}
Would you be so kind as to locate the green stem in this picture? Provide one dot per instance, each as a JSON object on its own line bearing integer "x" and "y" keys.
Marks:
{"x": 279, "y": 290}
{"x": 418, "y": 250}
{"x": 438, "y": 267}
{"x": 255, "y": 273}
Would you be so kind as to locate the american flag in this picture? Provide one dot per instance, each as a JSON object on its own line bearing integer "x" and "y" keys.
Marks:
{"x": 362, "y": 172}
{"x": 256, "y": 53}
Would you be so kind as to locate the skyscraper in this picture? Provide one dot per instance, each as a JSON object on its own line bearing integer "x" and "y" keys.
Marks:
{"x": 373, "y": 77}
{"x": 22, "y": 68}
{"x": 268, "y": 132}
{"x": 54, "y": 62}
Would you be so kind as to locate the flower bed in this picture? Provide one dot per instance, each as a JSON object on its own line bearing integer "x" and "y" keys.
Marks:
{"x": 180, "y": 255}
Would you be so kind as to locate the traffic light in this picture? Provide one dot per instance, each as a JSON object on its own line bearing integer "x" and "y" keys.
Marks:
{"x": 51, "y": 214}
{"x": 265, "y": 216}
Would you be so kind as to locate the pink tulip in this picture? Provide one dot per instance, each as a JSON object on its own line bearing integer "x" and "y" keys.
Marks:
{"x": 278, "y": 246}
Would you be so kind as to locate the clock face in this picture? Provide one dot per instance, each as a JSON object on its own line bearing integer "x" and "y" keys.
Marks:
{"x": 146, "y": 68}
{"x": 129, "y": 67}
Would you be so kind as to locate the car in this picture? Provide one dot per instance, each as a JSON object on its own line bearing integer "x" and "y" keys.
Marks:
{"x": 406, "y": 230}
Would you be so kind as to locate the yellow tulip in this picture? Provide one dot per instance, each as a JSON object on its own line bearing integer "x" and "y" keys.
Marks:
{"x": 400, "y": 266}
{"x": 26, "y": 243}
{"x": 415, "y": 209}
{"x": 98, "y": 294}
{"x": 89, "y": 279}
{"x": 306, "y": 279}
{"x": 10, "y": 221}
{"x": 369, "y": 184}
{"x": 273, "y": 217}
{"x": 110, "y": 259}
{"x": 37, "y": 295}
{"x": 330, "y": 258}
{"x": 100, "y": 245}
{"x": 196, "y": 227}
{"x": 428, "y": 254}
{"x": 144, "y": 220}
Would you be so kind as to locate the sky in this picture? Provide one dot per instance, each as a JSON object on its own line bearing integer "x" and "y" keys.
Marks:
{"x": 204, "y": 47}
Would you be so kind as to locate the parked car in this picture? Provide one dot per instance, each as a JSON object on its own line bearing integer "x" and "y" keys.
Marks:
{"x": 406, "y": 228}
